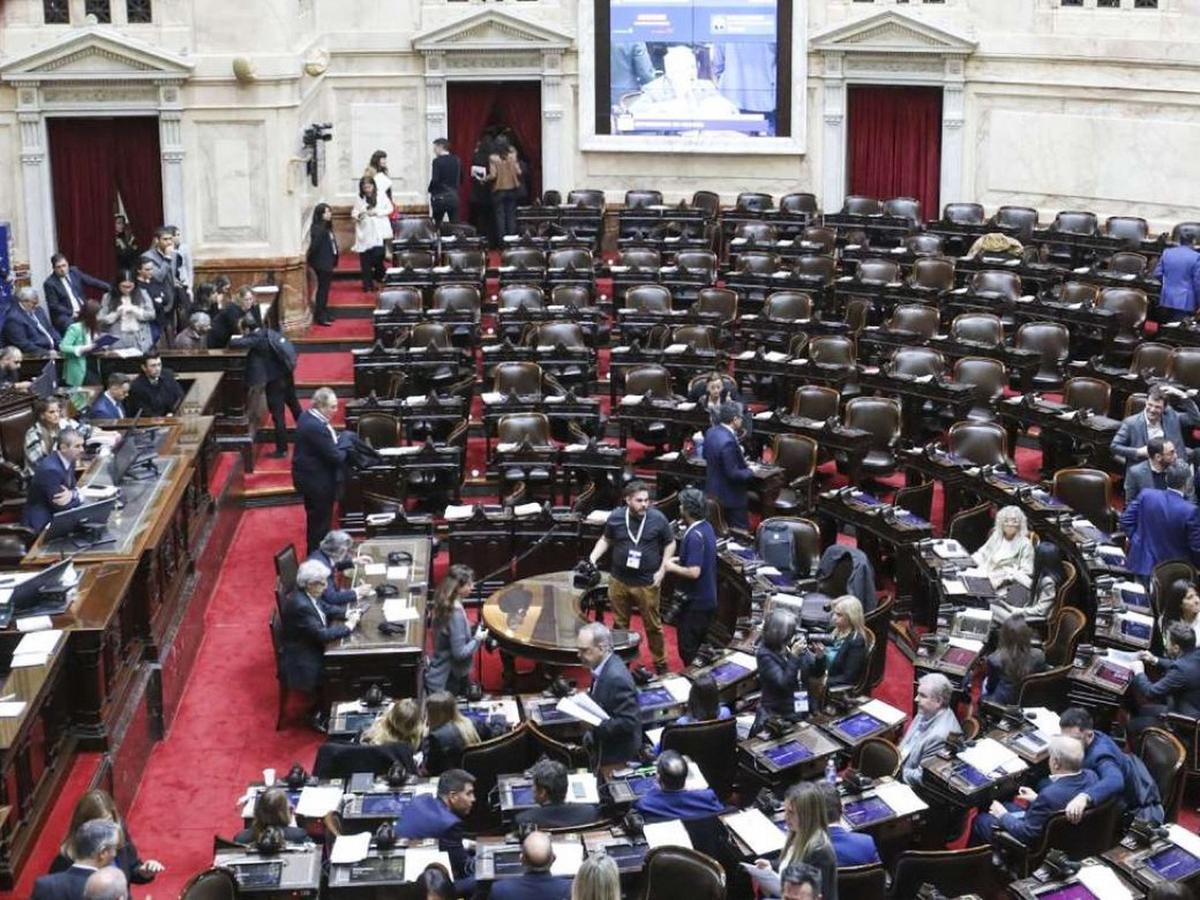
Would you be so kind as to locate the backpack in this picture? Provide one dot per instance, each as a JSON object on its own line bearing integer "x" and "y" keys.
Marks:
{"x": 776, "y": 547}
{"x": 284, "y": 350}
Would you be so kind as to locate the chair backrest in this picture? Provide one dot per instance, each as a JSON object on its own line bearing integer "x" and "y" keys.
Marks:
{"x": 648, "y": 298}
{"x": 983, "y": 443}
{"x": 525, "y": 378}
{"x": 465, "y": 258}
{"x": 796, "y": 454}
{"x": 933, "y": 273}
{"x": 806, "y": 542}
{"x": 1134, "y": 404}
{"x": 1088, "y": 393}
{"x": 414, "y": 258}
{"x": 722, "y": 301}
{"x": 701, "y": 337}
{"x": 971, "y": 527}
{"x": 963, "y": 213}
{"x": 515, "y": 428}
{"x": 879, "y": 416}
{"x": 652, "y": 379}
{"x": 858, "y": 205}
{"x": 403, "y": 299}
{"x": 709, "y": 201}
{"x": 981, "y": 328}
{"x": 787, "y": 306}
{"x": 552, "y": 334}
{"x": 754, "y": 201}
{"x": 916, "y": 318}
{"x": 1078, "y": 292}
{"x": 1095, "y": 832}
{"x": 286, "y": 566}
{"x": 877, "y": 757}
{"x": 990, "y": 376}
{"x": 671, "y": 872}
{"x": 1188, "y": 229}
{"x": 515, "y": 296}
{"x": 1130, "y": 304}
{"x": 570, "y": 258}
{"x": 1129, "y": 228}
{"x": 211, "y": 884}
{"x": 379, "y": 429}
{"x": 832, "y": 349}
{"x": 757, "y": 262}
{"x": 457, "y": 298}
{"x": 511, "y": 752}
{"x": 1126, "y": 262}
{"x": 814, "y": 401}
{"x": 710, "y": 745}
{"x": 755, "y": 232}
{"x": 1047, "y": 688}
{"x": 640, "y": 258}
{"x": 917, "y": 361}
{"x": 1151, "y": 359}
{"x": 639, "y": 199}
{"x": 903, "y": 208}
{"x": 1022, "y": 218}
{"x": 1052, "y": 340}
{"x": 1166, "y": 574}
{"x": 923, "y": 245}
{"x": 917, "y": 499}
{"x": 858, "y": 309}
{"x": 1185, "y": 366}
{"x": 798, "y": 203}
{"x": 996, "y": 284}
{"x": 879, "y": 624}
{"x": 878, "y": 271}
{"x": 865, "y": 881}
{"x": 1066, "y": 630}
{"x": 952, "y": 872}
{"x": 816, "y": 265}
{"x": 586, "y": 197}
{"x": 425, "y": 333}
{"x": 1076, "y": 222}
{"x": 1088, "y": 492}
{"x": 523, "y": 257}
{"x": 1165, "y": 758}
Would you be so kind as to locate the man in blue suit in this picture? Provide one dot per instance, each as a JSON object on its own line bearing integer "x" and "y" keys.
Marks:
{"x": 850, "y": 847}
{"x": 317, "y": 464}
{"x": 27, "y": 326}
{"x": 1067, "y": 778}
{"x": 1162, "y": 526}
{"x": 111, "y": 404}
{"x": 727, "y": 474}
{"x": 537, "y": 856}
{"x": 63, "y": 291}
{"x": 1117, "y": 773}
{"x": 1179, "y": 270}
{"x": 336, "y": 554}
{"x": 670, "y": 800}
{"x": 94, "y": 846}
{"x": 52, "y": 487}
{"x": 618, "y": 738}
{"x": 1130, "y": 443}
{"x": 440, "y": 816}
{"x": 1178, "y": 690}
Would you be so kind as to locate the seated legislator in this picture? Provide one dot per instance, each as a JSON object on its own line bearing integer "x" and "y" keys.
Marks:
{"x": 1162, "y": 526}
{"x": 63, "y": 291}
{"x": 1015, "y": 659}
{"x": 272, "y": 810}
{"x": 727, "y": 477}
{"x": 154, "y": 392}
{"x": 718, "y": 389}
{"x": 1008, "y": 551}
{"x": 668, "y": 799}
{"x": 93, "y": 847}
{"x": 1155, "y": 420}
{"x": 1178, "y": 690}
{"x": 41, "y": 438}
{"x": 1117, "y": 773}
{"x": 195, "y": 336}
{"x": 111, "y": 403}
{"x": 440, "y": 816}
{"x": 617, "y": 739}
{"x": 808, "y": 842}
{"x": 27, "y": 327}
{"x": 308, "y": 625}
{"x": 1152, "y": 472}
{"x": 784, "y": 667}
{"x": 535, "y": 881}
{"x": 1067, "y": 778}
{"x": 844, "y": 659}
{"x": 934, "y": 722}
{"x": 448, "y": 733}
{"x": 401, "y": 731}
{"x": 850, "y": 847}
{"x": 550, "y": 783}
{"x": 703, "y": 703}
{"x": 52, "y": 488}
{"x": 696, "y": 568}
{"x": 1048, "y": 576}
{"x": 455, "y": 642}
{"x": 1181, "y": 603}
{"x": 335, "y": 554}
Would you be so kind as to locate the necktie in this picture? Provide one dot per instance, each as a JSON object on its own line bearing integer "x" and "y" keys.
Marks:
{"x": 71, "y": 296}
{"x": 320, "y": 612}
{"x": 42, "y": 329}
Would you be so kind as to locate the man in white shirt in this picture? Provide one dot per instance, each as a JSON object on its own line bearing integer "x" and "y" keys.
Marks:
{"x": 63, "y": 291}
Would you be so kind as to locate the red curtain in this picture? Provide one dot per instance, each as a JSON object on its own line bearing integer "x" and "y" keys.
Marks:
{"x": 896, "y": 144}
{"x": 519, "y": 106}
{"x": 91, "y": 160}
{"x": 473, "y": 107}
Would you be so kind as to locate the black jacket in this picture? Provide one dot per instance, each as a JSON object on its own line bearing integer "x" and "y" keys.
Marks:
{"x": 128, "y": 861}
{"x": 779, "y": 679}
{"x": 268, "y": 357}
{"x": 148, "y": 399}
{"x": 225, "y": 324}
{"x": 848, "y": 665}
{"x": 304, "y": 640}
{"x": 317, "y": 460}
{"x": 322, "y": 252}
{"x": 619, "y": 738}
{"x": 444, "y": 748}
{"x": 59, "y": 303}
{"x": 561, "y": 815}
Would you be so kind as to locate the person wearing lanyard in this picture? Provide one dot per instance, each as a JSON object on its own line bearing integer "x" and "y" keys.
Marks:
{"x": 642, "y": 542}
{"x": 697, "y": 564}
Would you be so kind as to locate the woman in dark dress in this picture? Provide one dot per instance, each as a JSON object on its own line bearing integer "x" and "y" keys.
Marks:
{"x": 322, "y": 259}
{"x": 1014, "y": 660}
{"x": 450, "y": 733}
{"x": 97, "y": 804}
{"x": 272, "y": 810}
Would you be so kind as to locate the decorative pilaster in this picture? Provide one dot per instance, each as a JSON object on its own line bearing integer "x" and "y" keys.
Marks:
{"x": 40, "y": 233}
{"x": 953, "y": 140}
{"x": 553, "y": 174}
{"x": 170, "y": 142}
{"x": 833, "y": 147}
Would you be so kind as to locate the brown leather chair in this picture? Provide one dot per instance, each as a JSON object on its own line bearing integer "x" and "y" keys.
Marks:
{"x": 1043, "y": 624}
{"x": 799, "y": 203}
{"x": 1126, "y": 262}
{"x": 1151, "y": 360}
{"x": 934, "y": 274}
{"x": 523, "y": 258}
{"x": 709, "y": 201}
{"x": 1088, "y": 393}
{"x": 640, "y": 199}
{"x": 414, "y": 230}
{"x": 640, "y": 258}
{"x": 754, "y": 202}
{"x": 1131, "y": 306}
{"x": 995, "y": 284}
{"x": 516, "y": 428}
{"x": 1065, "y": 629}
{"x": 832, "y": 350}
{"x": 1078, "y": 292}
{"x": 589, "y": 198}
{"x": 923, "y": 245}
{"x": 710, "y": 745}
{"x": 648, "y": 298}
{"x": 1185, "y": 366}
{"x": 487, "y": 761}
{"x": 1165, "y": 756}
{"x": 1191, "y": 229}
{"x": 1047, "y": 688}
{"x": 963, "y": 213}
{"x": 757, "y": 262}
{"x": 877, "y": 757}
{"x": 788, "y": 306}
{"x": 652, "y": 379}
{"x": 379, "y": 429}
{"x": 1074, "y": 222}
{"x": 952, "y": 872}
{"x": 915, "y": 318}
{"x": 1127, "y": 228}
{"x": 989, "y": 377}
{"x": 917, "y": 499}
{"x": 457, "y": 298}
{"x": 466, "y": 259}
{"x": 414, "y": 259}
{"x": 1023, "y": 218}
{"x": 862, "y": 881}
{"x": 1134, "y": 404}
{"x": 971, "y": 527}
{"x": 699, "y": 337}
{"x": 1089, "y": 493}
{"x": 1095, "y": 832}
{"x": 517, "y": 296}
{"x": 702, "y": 262}
{"x": 755, "y": 233}
{"x": 806, "y": 543}
{"x": 211, "y": 884}
{"x": 917, "y": 362}
{"x": 718, "y": 300}
{"x": 818, "y": 236}
{"x": 858, "y": 205}
{"x": 879, "y": 623}
{"x": 578, "y": 258}
{"x": 979, "y": 328}
{"x": 400, "y": 299}
{"x": 983, "y": 443}
{"x": 819, "y": 268}
{"x": 903, "y": 208}
{"x": 525, "y": 378}
{"x": 814, "y": 401}
{"x": 669, "y": 872}
{"x": 1053, "y": 341}
{"x": 880, "y": 417}
{"x": 552, "y": 334}
{"x": 858, "y": 310}
{"x": 1165, "y": 574}
{"x": 425, "y": 333}
{"x": 796, "y": 454}
{"x": 878, "y": 271}
{"x": 572, "y": 296}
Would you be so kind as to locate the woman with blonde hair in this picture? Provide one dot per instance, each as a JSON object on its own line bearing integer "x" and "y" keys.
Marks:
{"x": 454, "y": 644}
{"x": 598, "y": 878}
{"x": 97, "y": 804}
{"x": 449, "y": 733}
{"x": 1008, "y": 551}
{"x": 845, "y": 657}
{"x": 808, "y": 842}
{"x": 404, "y": 723}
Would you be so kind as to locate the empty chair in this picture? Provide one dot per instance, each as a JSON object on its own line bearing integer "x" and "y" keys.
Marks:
{"x": 796, "y": 454}
{"x": 1023, "y": 218}
{"x": 518, "y": 296}
{"x": 554, "y": 334}
{"x": 1091, "y": 394}
{"x": 805, "y": 550}
{"x": 1065, "y": 627}
{"x": 457, "y": 298}
{"x": 1185, "y": 366}
{"x": 1053, "y": 341}
{"x": 587, "y": 198}
{"x": 1089, "y": 493}
{"x": 923, "y": 244}
{"x": 904, "y": 208}
{"x": 424, "y": 334}
{"x": 517, "y": 428}
{"x": 1190, "y": 229}
{"x": 916, "y": 319}
{"x": 699, "y": 337}
{"x": 639, "y": 199}
{"x": 379, "y": 429}
{"x": 971, "y": 527}
{"x": 1078, "y": 292}
{"x": 579, "y": 258}
{"x": 832, "y": 350}
{"x": 1075, "y": 222}
{"x": 708, "y": 201}
{"x": 877, "y": 757}
{"x": 1165, "y": 758}
{"x": 470, "y": 259}
{"x": 988, "y": 376}
{"x": 880, "y": 418}
{"x": 1151, "y": 360}
{"x": 523, "y": 258}
{"x": 1126, "y": 262}
{"x": 817, "y": 402}
{"x": 574, "y": 296}
{"x": 983, "y": 443}
{"x": 820, "y": 269}
{"x": 951, "y": 872}
{"x": 654, "y": 380}
{"x": 521, "y": 378}
{"x": 788, "y": 306}
{"x": 1131, "y": 306}
{"x": 414, "y": 230}
{"x": 755, "y": 233}
{"x": 697, "y": 262}
{"x": 820, "y": 238}
{"x": 1128, "y": 228}
{"x": 917, "y": 362}
{"x": 710, "y": 745}
{"x": 857, "y": 205}
{"x": 878, "y": 271}
{"x": 400, "y": 299}
{"x": 651, "y": 298}
{"x": 669, "y": 872}
{"x": 996, "y": 284}
{"x": 858, "y": 309}
{"x": 413, "y": 259}
{"x": 984, "y": 329}
{"x": 799, "y": 204}
{"x": 757, "y": 262}
{"x": 754, "y": 202}
{"x": 640, "y": 258}
{"x": 722, "y": 301}
{"x": 963, "y": 213}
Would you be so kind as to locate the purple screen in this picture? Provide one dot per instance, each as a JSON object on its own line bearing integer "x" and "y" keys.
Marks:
{"x": 958, "y": 656}
{"x": 1113, "y": 674}
{"x": 971, "y": 775}
{"x": 1173, "y": 863}
{"x": 786, "y": 754}
{"x": 864, "y": 812}
{"x": 728, "y": 672}
{"x": 859, "y": 725}
{"x": 658, "y": 696}
{"x": 1074, "y": 892}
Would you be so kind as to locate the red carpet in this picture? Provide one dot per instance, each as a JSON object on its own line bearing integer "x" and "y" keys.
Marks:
{"x": 349, "y": 293}
{"x": 343, "y": 330}
{"x": 325, "y": 368}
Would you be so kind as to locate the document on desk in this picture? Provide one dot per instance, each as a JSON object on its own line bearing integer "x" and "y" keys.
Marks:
{"x": 317, "y": 800}
{"x": 459, "y": 513}
{"x": 1181, "y": 837}
{"x": 679, "y": 688}
{"x": 758, "y": 832}
{"x": 418, "y": 859}
{"x": 745, "y": 660}
{"x": 1044, "y": 720}
{"x": 966, "y": 644}
{"x": 883, "y": 712}
{"x": 582, "y": 707}
{"x": 397, "y": 609}
{"x": 1103, "y": 882}
{"x": 527, "y": 509}
{"x": 10, "y": 709}
{"x": 1127, "y": 659}
{"x": 34, "y": 623}
{"x": 988, "y": 755}
{"x": 350, "y": 848}
{"x": 35, "y": 648}
{"x": 670, "y": 833}
{"x": 900, "y": 797}
{"x": 568, "y": 857}
{"x": 654, "y": 735}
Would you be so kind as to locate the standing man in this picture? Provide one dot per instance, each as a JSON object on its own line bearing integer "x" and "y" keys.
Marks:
{"x": 164, "y": 293}
{"x": 228, "y": 321}
{"x": 1162, "y": 526}
{"x": 444, "y": 182}
{"x": 697, "y": 566}
{"x": 270, "y": 363}
{"x": 1152, "y": 471}
{"x": 317, "y": 464}
{"x": 155, "y": 392}
{"x": 93, "y": 847}
{"x": 618, "y": 738}
{"x": 1179, "y": 270}
{"x": 63, "y": 291}
{"x": 727, "y": 473}
{"x": 52, "y": 488}
{"x": 642, "y": 542}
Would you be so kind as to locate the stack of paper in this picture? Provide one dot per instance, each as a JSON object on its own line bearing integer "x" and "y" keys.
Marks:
{"x": 350, "y": 848}
{"x": 582, "y": 707}
{"x": 317, "y": 800}
{"x": 900, "y": 797}
{"x": 949, "y": 549}
{"x": 756, "y": 831}
{"x": 568, "y": 857}
{"x": 1103, "y": 882}
{"x": 668, "y": 834}
{"x": 418, "y": 859}
{"x": 1127, "y": 659}
{"x": 396, "y": 610}
{"x": 35, "y": 648}
{"x": 1044, "y": 720}
{"x": 458, "y": 513}
{"x": 527, "y": 509}
{"x": 988, "y": 756}
{"x": 1181, "y": 837}
{"x": 879, "y": 710}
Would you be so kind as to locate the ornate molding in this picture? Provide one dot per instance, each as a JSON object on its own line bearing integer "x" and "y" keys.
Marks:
{"x": 98, "y": 95}
{"x": 493, "y": 60}
{"x": 95, "y": 53}
{"x": 491, "y": 29}
{"x": 892, "y": 32}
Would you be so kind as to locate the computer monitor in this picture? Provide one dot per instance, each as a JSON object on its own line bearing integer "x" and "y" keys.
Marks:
{"x": 788, "y": 753}
{"x": 46, "y": 382}
{"x": 32, "y": 594}
{"x": 79, "y": 518}
{"x": 1174, "y": 863}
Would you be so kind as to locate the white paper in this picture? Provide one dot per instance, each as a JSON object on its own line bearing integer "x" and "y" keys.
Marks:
{"x": 670, "y": 833}
{"x": 631, "y": 399}
{"x": 953, "y": 587}
{"x": 987, "y": 755}
{"x": 97, "y": 493}
{"x": 745, "y": 660}
{"x": 883, "y": 712}
{"x": 418, "y": 859}
{"x": 10, "y": 709}
{"x": 375, "y": 570}
{"x": 397, "y": 609}
{"x": 1126, "y": 659}
{"x": 900, "y": 797}
{"x": 506, "y": 446}
{"x": 1181, "y": 837}
{"x": 678, "y": 687}
{"x": 966, "y": 644}
{"x": 37, "y": 644}
{"x": 34, "y": 623}
{"x": 766, "y": 879}
{"x": 654, "y": 735}
{"x": 457, "y": 513}
{"x": 1044, "y": 720}
{"x": 582, "y": 788}
{"x": 399, "y": 451}
{"x": 527, "y": 509}
{"x": 126, "y": 353}
{"x": 568, "y": 857}
{"x": 582, "y": 707}
{"x": 1130, "y": 586}
{"x": 1103, "y": 882}
{"x": 756, "y": 831}
{"x": 350, "y": 848}
{"x": 949, "y": 549}
{"x": 317, "y": 800}
{"x": 491, "y": 396}
{"x": 397, "y": 573}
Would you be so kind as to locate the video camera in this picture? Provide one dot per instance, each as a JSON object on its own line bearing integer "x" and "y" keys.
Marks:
{"x": 586, "y": 575}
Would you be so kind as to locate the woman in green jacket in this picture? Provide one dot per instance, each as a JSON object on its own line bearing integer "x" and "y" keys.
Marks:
{"x": 80, "y": 340}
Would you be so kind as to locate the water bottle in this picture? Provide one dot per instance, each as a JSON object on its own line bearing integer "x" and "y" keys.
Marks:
{"x": 831, "y": 771}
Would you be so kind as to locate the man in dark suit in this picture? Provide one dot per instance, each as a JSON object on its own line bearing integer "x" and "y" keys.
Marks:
{"x": 336, "y": 554}
{"x": 618, "y": 738}
{"x": 94, "y": 846}
{"x": 27, "y": 326}
{"x": 550, "y": 783}
{"x": 227, "y": 322}
{"x": 63, "y": 291}
{"x": 1179, "y": 270}
{"x": 1118, "y": 774}
{"x": 850, "y": 847}
{"x": 536, "y": 883}
{"x": 270, "y": 363}
{"x": 1155, "y": 419}
{"x": 52, "y": 487}
{"x": 1178, "y": 690}
{"x": 670, "y": 799}
{"x": 1067, "y": 778}
{"x": 317, "y": 464}
{"x": 440, "y": 816}
{"x": 1161, "y": 526}
{"x": 1152, "y": 471}
{"x": 111, "y": 404}
{"x": 155, "y": 392}
{"x": 727, "y": 475}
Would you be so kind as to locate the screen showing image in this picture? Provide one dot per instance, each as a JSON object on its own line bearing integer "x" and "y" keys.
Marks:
{"x": 1030, "y": 742}
{"x": 522, "y": 795}
{"x": 1174, "y": 863}
{"x": 1113, "y": 674}
{"x": 378, "y": 868}
{"x": 385, "y": 804}
{"x": 629, "y": 855}
{"x": 265, "y": 874}
{"x": 1139, "y": 630}
{"x": 549, "y": 713}
{"x": 359, "y": 720}
{"x": 1136, "y": 599}
{"x": 958, "y": 656}
{"x": 787, "y": 754}
{"x": 693, "y": 67}
{"x": 863, "y": 812}
{"x": 727, "y": 673}
{"x": 859, "y": 725}
{"x": 971, "y": 775}
{"x": 507, "y": 862}
{"x": 1074, "y": 892}
{"x": 657, "y": 696}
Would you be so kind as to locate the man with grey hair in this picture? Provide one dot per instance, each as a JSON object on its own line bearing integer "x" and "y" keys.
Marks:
{"x": 106, "y": 884}
{"x": 696, "y": 565}
{"x": 336, "y": 554}
{"x": 934, "y": 722}
{"x": 1067, "y": 778}
{"x": 727, "y": 476}
{"x": 28, "y": 326}
{"x": 195, "y": 336}
{"x": 93, "y": 847}
{"x": 317, "y": 464}
{"x": 618, "y": 738}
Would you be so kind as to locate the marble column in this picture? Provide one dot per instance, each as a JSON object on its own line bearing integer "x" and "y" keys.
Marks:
{"x": 833, "y": 146}
{"x": 953, "y": 115}
{"x": 554, "y": 161}
{"x": 40, "y": 234}
{"x": 170, "y": 144}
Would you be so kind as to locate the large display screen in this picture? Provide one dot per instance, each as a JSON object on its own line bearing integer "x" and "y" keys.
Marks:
{"x": 692, "y": 68}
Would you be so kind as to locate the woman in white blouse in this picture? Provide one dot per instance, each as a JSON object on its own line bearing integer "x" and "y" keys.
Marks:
{"x": 372, "y": 226}
{"x": 1008, "y": 551}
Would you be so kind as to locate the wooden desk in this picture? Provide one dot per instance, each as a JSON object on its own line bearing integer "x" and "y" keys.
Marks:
{"x": 1034, "y": 888}
{"x": 1162, "y": 861}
